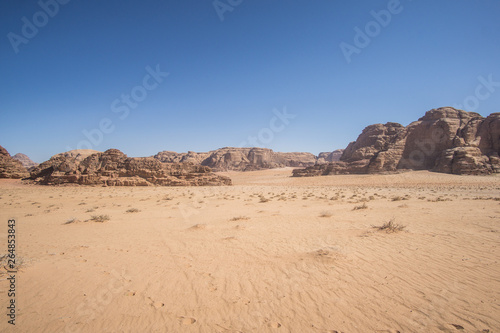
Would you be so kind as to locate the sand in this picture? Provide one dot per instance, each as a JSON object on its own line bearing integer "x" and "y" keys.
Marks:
{"x": 270, "y": 254}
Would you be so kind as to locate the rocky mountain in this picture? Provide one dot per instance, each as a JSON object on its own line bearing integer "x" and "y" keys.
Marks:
{"x": 10, "y": 167}
{"x": 240, "y": 159}
{"x": 25, "y": 160}
{"x": 114, "y": 168}
{"x": 327, "y": 157}
{"x": 77, "y": 154}
{"x": 443, "y": 140}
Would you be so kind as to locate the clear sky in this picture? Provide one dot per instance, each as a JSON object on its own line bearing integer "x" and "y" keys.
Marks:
{"x": 328, "y": 68}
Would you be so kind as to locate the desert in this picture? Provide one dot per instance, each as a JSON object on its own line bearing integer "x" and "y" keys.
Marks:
{"x": 271, "y": 253}
{"x": 231, "y": 166}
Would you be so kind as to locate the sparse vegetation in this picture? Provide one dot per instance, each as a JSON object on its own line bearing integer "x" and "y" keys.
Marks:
{"x": 71, "y": 220}
{"x": 263, "y": 199}
{"x": 99, "y": 218}
{"x": 238, "y": 218}
{"x": 133, "y": 210}
{"x": 363, "y": 206}
{"x": 326, "y": 214}
{"x": 390, "y": 227}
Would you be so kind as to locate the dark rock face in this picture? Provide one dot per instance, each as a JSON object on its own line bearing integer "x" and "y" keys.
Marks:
{"x": 10, "y": 167}
{"x": 114, "y": 168}
{"x": 25, "y": 161}
{"x": 444, "y": 140}
{"x": 240, "y": 159}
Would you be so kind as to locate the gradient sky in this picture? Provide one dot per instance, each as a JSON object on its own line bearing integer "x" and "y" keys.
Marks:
{"x": 227, "y": 76}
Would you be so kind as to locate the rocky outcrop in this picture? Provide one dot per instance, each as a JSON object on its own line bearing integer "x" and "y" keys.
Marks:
{"x": 443, "y": 140}
{"x": 114, "y": 168}
{"x": 10, "y": 167}
{"x": 189, "y": 157}
{"x": 327, "y": 157}
{"x": 25, "y": 161}
{"x": 240, "y": 159}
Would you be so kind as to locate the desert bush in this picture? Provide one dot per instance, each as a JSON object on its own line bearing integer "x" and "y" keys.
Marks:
{"x": 133, "y": 210}
{"x": 390, "y": 227}
{"x": 99, "y": 218}
{"x": 71, "y": 220}
{"x": 263, "y": 199}
{"x": 363, "y": 206}
{"x": 325, "y": 214}
{"x": 237, "y": 218}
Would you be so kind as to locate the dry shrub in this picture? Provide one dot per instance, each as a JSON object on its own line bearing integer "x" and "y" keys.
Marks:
{"x": 237, "y": 218}
{"x": 326, "y": 214}
{"x": 363, "y": 206}
{"x": 390, "y": 227}
{"x": 99, "y": 218}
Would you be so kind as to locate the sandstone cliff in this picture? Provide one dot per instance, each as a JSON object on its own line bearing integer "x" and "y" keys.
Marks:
{"x": 10, "y": 167}
{"x": 240, "y": 159}
{"x": 327, "y": 157}
{"x": 443, "y": 140}
{"x": 114, "y": 168}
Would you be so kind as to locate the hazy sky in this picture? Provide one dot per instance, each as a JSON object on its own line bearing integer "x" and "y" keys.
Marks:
{"x": 285, "y": 74}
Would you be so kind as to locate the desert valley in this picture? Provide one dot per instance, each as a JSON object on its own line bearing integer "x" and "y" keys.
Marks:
{"x": 398, "y": 232}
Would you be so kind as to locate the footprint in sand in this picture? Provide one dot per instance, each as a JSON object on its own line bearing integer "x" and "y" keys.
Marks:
{"x": 187, "y": 320}
{"x": 157, "y": 304}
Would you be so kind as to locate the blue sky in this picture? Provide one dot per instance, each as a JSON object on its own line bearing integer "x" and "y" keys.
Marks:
{"x": 228, "y": 78}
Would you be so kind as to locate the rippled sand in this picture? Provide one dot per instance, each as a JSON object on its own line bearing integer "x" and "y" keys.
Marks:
{"x": 270, "y": 254}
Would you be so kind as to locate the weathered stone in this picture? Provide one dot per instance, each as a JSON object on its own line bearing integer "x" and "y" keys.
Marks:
{"x": 114, "y": 168}
{"x": 240, "y": 159}
{"x": 10, "y": 167}
{"x": 327, "y": 157}
{"x": 443, "y": 140}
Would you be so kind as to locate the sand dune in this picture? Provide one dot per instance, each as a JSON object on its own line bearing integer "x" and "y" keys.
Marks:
{"x": 270, "y": 254}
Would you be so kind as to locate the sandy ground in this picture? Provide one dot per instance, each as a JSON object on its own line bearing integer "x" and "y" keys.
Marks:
{"x": 270, "y": 254}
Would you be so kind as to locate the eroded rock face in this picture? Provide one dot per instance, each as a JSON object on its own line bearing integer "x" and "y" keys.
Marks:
{"x": 240, "y": 159}
{"x": 114, "y": 168}
{"x": 443, "y": 140}
{"x": 327, "y": 157}
{"x": 25, "y": 161}
{"x": 10, "y": 167}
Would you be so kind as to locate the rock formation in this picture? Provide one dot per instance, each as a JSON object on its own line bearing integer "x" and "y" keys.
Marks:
{"x": 443, "y": 140}
{"x": 240, "y": 159}
{"x": 10, "y": 167}
{"x": 114, "y": 168}
{"x": 327, "y": 157}
{"x": 25, "y": 161}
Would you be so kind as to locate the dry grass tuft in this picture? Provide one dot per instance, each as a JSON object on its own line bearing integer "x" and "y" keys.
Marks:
{"x": 238, "y": 218}
{"x": 99, "y": 218}
{"x": 363, "y": 206}
{"x": 133, "y": 210}
{"x": 390, "y": 227}
{"x": 326, "y": 214}
{"x": 72, "y": 220}
{"x": 263, "y": 199}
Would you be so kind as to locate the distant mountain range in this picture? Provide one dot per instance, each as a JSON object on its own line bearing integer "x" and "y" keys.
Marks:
{"x": 444, "y": 140}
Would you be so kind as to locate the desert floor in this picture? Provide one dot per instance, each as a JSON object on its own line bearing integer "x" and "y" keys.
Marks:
{"x": 269, "y": 254}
